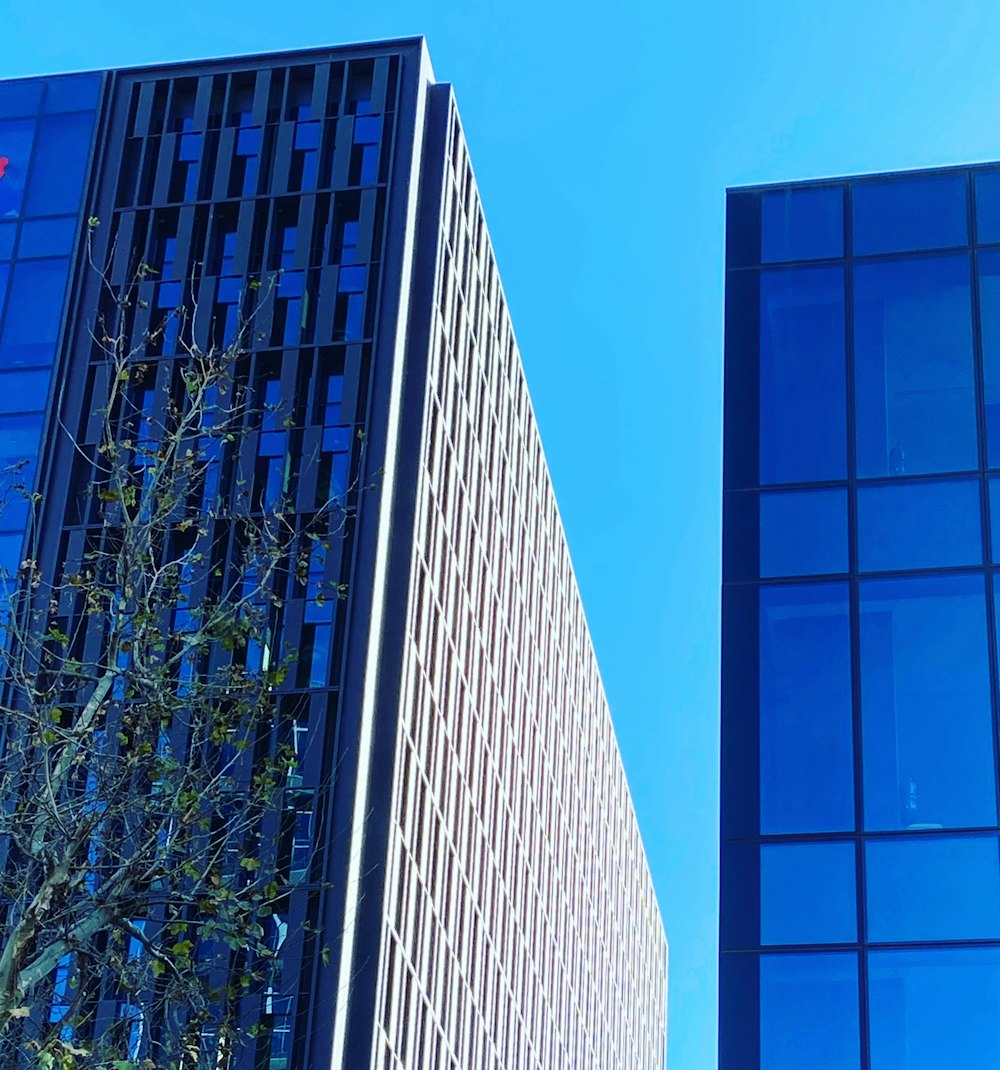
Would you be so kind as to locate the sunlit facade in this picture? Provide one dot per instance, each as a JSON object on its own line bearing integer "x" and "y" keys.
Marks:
{"x": 860, "y": 852}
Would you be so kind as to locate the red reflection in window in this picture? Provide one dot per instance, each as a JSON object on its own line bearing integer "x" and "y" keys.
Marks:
{"x": 4, "y": 161}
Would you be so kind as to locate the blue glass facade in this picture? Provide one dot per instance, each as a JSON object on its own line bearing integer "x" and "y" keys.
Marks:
{"x": 860, "y": 838}
{"x": 46, "y": 130}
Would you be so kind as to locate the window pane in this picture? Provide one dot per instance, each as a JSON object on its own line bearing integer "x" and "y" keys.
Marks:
{"x": 10, "y": 558}
{"x": 912, "y": 212}
{"x": 34, "y": 312}
{"x": 24, "y": 391}
{"x": 8, "y": 232}
{"x": 809, "y": 1007}
{"x": 803, "y": 532}
{"x": 913, "y": 367}
{"x": 20, "y": 98}
{"x": 988, "y": 206}
{"x": 16, "y": 138}
{"x": 925, "y": 704}
{"x": 806, "y": 740}
{"x": 72, "y": 92}
{"x": 47, "y": 237}
{"x": 931, "y": 1009}
{"x": 19, "y": 436}
{"x": 802, "y": 376}
{"x": 933, "y": 888}
{"x": 807, "y": 893}
{"x": 919, "y": 524}
{"x": 802, "y": 224}
{"x": 60, "y": 164}
{"x": 989, "y": 311}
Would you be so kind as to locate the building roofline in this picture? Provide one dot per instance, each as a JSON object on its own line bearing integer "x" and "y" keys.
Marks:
{"x": 415, "y": 41}
{"x": 754, "y": 187}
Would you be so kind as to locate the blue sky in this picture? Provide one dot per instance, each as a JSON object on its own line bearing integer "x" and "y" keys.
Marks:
{"x": 603, "y": 139}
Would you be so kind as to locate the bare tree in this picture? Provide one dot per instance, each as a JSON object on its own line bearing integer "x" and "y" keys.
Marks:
{"x": 143, "y": 763}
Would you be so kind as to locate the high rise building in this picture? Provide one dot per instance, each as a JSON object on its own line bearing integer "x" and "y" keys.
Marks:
{"x": 860, "y": 922}
{"x": 474, "y": 864}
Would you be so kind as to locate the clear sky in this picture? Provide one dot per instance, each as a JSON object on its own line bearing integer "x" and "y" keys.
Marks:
{"x": 603, "y": 137}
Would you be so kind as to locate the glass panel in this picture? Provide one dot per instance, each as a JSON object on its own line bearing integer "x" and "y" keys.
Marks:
{"x": 19, "y": 437}
{"x": 916, "y": 408}
{"x": 73, "y": 92}
{"x": 995, "y": 517}
{"x": 802, "y": 224}
{"x": 806, "y": 739}
{"x": 47, "y": 237}
{"x": 4, "y": 279}
{"x": 60, "y": 164}
{"x": 989, "y": 311}
{"x": 802, "y": 376}
{"x": 8, "y": 233}
{"x": 925, "y": 701}
{"x": 807, "y": 893}
{"x": 20, "y": 98}
{"x": 911, "y": 212}
{"x": 988, "y": 206}
{"x": 932, "y": 1009}
{"x": 803, "y": 532}
{"x": 809, "y": 1004}
{"x": 919, "y": 524}
{"x": 933, "y": 888}
{"x": 24, "y": 391}
{"x": 34, "y": 312}
{"x": 16, "y": 138}
{"x": 10, "y": 558}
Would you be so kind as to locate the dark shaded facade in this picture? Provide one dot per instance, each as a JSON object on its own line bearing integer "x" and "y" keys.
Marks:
{"x": 439, "y": 834}
{"x": 860, "y": 921}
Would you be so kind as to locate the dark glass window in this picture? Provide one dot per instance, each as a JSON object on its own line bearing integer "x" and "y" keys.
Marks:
{"x": 802, "y": 224}
{"x": 809, "y": 1004}
{"x": 34, "y": 312}
{"x": 919, "y": 524}
{"x": 808, "y": 893}
{"x": 47, "y": 237}
{"x": 59, "y": 164}
{"x": 24, "y": 390}
{"x": 934, "y": 1008}
{"x": 806, "y": 745}
{"x": 348, "y": 245}
{"x": 803, "y": 532}
{"x": 914, "y": 392}
{"x": 803, "y": 433}
{"x": 933, "y": 888}
{"x": 19, "y": 98}
{"x": 911, "y": 212}
{"x": 16, "y": 138}
{"x": 925, "y": 704}
{"x": 72, "y": 92}
{"x": 989, "y": 307}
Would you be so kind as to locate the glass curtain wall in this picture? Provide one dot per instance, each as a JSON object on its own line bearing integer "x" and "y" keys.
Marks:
{"x": 861, "y": 858}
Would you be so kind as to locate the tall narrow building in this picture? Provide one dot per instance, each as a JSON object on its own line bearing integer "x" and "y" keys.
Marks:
{"x": 463, "y": 835}
{"x": 860, "y": 921}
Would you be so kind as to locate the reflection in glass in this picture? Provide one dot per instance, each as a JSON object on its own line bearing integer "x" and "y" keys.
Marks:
{"x": 19, "y": 437}
{"x": 807, "y": 893}
{"x": 16, "y": 139}
{"x": 802, "y": 375}
{"x": 806, "y": 745}
{"x": 809, "y": 1014}
{"x": 933, "y": 888}
{"x": 892, "y": 215}
{"x": 914, "y": 391}
{"x": 803, "y": 532}
{"x": 919, "y": 524}
{"x": 802, "y": 224}
{"x": 59, "y": 165}
{"x": 925, "y": 704}
{"x": 935, "y": 1009}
